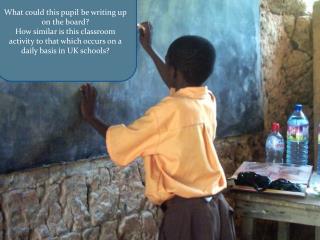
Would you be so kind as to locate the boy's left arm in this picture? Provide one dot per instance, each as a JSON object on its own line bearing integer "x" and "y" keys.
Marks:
{"x": 88, "y": 107}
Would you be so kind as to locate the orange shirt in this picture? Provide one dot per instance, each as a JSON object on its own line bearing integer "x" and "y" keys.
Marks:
{"x": 175, "y": 140}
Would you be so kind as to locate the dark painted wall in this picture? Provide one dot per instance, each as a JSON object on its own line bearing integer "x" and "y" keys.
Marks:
{"x": 40, "y": 123}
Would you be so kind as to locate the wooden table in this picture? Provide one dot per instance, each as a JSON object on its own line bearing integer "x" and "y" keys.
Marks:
{"x": 283, "y": 209}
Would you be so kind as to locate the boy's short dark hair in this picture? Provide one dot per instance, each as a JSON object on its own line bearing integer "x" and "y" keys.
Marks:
{"x": 194, "y": 57}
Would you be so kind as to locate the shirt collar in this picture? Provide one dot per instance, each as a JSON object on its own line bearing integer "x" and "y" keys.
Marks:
{"x": 191, "y": 92}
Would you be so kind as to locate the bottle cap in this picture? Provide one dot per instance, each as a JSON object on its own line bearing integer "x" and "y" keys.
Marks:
{"x": 298, "y": 107}
{"x": 275, "y": 127}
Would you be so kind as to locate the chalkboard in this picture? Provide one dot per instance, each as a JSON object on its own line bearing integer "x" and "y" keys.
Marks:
{"x": 40, "y": 123}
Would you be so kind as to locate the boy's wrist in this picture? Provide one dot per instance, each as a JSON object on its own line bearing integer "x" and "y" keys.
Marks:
{"x": 149, "y": 49}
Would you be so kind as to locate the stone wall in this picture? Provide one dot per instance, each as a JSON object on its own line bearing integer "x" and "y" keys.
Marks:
{"x": 83, "y": 200}
{"x": 92, "y": 200}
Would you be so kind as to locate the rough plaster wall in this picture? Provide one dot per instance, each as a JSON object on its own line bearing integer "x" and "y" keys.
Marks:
{"x": 286, "y": 45}
{"x": 233, "y": 151}
{"x": 316, "y": 67}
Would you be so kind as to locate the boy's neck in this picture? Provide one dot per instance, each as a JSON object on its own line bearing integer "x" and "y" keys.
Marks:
{"x": 184, "y": 85}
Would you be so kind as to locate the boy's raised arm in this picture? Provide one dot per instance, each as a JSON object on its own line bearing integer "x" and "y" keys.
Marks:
{"x": 145, "y": 30}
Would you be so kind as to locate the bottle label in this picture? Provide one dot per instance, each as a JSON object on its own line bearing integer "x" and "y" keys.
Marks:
{"x": 298, "y": 133}
{"x": 279, "y": 146}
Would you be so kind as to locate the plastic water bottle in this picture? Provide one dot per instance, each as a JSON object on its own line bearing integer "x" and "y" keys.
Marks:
{"x": 297, "y": 137}
{"x": 274, "y": 145}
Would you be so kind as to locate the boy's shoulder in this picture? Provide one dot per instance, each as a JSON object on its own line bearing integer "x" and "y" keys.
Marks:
{"x": 172, "y": 104}
{"x": 172, "y": 99}
{"x": 165, "y": 108}
{"x": 165, "y": 104}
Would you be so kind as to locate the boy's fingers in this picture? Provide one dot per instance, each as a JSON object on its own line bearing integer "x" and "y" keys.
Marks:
{"x": 149, "y": 26}
{"x": 89, "y": 92}
{"x": 141, "y": 27}
{"x": 85, "y": 91}
{"x": 94, "y": 92}
{"x": 142, "y": 24}
{"x": 141, "y": 32}
{"x": 145, "y": 26}
{"x": 82, "y": 88}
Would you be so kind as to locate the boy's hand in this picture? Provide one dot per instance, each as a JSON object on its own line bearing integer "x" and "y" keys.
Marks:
{"x": 88, "y": 102}
{"x": 145, "y": 30}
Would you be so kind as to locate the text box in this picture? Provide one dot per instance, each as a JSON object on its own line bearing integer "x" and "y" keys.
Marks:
{"x": 67, "y": 40}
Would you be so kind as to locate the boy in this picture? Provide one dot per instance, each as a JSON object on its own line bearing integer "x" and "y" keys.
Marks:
{"x": 175, "y": 138}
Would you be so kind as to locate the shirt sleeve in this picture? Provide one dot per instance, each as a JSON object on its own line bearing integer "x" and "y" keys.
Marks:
{"x": 140, "y": 138}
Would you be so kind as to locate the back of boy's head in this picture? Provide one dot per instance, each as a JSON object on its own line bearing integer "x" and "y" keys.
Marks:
{"x": 194, "y": 57}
